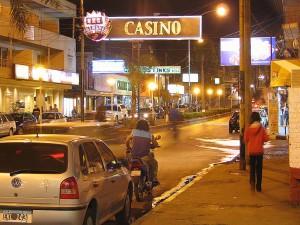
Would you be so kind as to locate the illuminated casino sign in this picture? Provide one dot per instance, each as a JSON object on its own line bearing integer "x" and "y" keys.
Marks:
{"x": 96, "y": 26}
{"x": 156, "y": 28}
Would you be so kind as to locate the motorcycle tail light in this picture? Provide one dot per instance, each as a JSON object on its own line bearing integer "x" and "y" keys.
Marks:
{"x": 135, "y": 164}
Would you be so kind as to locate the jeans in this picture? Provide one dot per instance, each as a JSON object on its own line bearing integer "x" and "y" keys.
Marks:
{"x": 256, "y": 164}
{"x": 153, "y": 166}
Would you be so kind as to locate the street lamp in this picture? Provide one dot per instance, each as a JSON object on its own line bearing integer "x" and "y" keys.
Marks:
{"x": 196, "y": 91}
{"x": 209, "y": 92}
{"x": 219, "y": 92}
{"x": 152, "y": 86}
{"x": 111, "y": 82}
{"x": 221, "y": 10}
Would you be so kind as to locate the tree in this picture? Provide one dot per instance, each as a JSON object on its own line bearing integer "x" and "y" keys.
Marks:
{"x": 136, "y": 76}
{"x": 19, "y": 12}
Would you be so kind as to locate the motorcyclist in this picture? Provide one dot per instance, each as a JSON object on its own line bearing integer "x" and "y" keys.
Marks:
{"x": 139, "y": 142}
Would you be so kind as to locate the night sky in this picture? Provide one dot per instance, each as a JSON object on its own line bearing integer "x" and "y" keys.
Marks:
{"x": 266, "y": 21}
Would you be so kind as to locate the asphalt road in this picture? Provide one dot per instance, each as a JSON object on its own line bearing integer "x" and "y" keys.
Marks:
{"x": 198, "y": 146}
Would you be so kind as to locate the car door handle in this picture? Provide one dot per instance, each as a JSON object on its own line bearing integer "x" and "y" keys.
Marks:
{"x": 95, "y": 184}
{"x": 113, "y": 181}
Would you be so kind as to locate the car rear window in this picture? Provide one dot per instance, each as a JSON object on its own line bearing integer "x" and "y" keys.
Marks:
{"x": 33, "y": 158}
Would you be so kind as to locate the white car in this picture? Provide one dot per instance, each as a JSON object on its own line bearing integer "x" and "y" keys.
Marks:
{"x": 61, "y": 179}
{"x": 119, "y": 112}
{"x": 53, "y": 117}
{"x": 7, "y": 125}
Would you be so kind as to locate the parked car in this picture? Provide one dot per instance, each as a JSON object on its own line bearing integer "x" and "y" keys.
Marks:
{"x": 144, "y": 113}
{"x": 7, "y": 125}
{"x": 53, "y": 117}
{"x": 160, "y": 112}
{"x": 119, "y": 112}
{"x": 62, "y": 179}
{"x": 183, "y": 108}
{"x": 234, "y": 122}
{"x": 23, "y": 121}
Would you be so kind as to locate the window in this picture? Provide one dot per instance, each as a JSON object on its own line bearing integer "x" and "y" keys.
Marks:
{"x": 107, "y": 155}
{"x": 93, "y": 157}
{"x": 36, "y": 158}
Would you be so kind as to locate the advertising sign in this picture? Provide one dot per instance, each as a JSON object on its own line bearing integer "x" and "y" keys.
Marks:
{"x": 156, "y": 28}
{"x": 273, "y": 116}
{"x": 96, "y": 26}
{"x": 263, "y": 50}
{"x": 193, "y": 77}
{"x": 108, "y": 66}
{"x": 46, "y": 75}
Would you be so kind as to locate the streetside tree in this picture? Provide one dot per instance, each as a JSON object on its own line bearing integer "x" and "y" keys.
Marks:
{"x": 19, "y": 13}
{"x": 136, "y": 76}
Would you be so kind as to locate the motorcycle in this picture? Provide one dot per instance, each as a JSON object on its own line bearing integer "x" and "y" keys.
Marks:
{"x": 140, "y": 174}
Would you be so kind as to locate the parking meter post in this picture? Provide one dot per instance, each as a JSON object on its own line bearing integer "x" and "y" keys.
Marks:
{"x": 242, "y": 151}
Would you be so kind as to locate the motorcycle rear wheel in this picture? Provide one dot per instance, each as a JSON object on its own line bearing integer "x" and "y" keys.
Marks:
{"x": 139, "y": 189}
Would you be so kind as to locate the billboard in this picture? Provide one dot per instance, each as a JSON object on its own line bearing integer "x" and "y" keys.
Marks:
{"x": 192, "y": 78}
{"x": 156, "y": 28}
{"x": 108, "y": 66}
{"x": 263, "y": 50}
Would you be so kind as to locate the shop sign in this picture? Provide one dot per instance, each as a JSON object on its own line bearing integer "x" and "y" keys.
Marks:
{"x": 46, "y": 75}
{"x": 273, "y": 116}
{"x": 156, "y": 28}
{"x": 96, "y": 26}
{"x": 281, "y": 71}
{"x": 192, "y": 77}
{"x": 161, "y": 69}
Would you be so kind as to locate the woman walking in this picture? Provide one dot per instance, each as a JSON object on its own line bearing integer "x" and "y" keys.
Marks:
{"x": 254, "y": 137}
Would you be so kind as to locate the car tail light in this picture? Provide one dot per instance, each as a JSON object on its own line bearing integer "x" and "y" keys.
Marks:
{"x": 69, "y": 189}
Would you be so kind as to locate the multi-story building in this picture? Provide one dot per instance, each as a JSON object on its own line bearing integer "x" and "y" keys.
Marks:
{"x": 38, "y": 65}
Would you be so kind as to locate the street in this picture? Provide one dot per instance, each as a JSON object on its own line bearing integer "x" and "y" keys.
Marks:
{"x": 199, "y": 145}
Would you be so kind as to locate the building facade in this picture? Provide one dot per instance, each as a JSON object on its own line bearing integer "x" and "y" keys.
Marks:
{"x": 37, "y": 66}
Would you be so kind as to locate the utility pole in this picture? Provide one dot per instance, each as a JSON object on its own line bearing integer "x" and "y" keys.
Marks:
{"x": 245, "y": 74}
{"x": 82, "y": 62}
{"x": 202, "y": 85}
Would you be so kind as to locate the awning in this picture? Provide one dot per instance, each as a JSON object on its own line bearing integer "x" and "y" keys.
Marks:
{"x": 281, "y": 71}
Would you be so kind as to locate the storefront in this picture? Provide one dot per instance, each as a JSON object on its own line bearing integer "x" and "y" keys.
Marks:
{"x": 281, "y": 81}
{"x": 33, "y": 86}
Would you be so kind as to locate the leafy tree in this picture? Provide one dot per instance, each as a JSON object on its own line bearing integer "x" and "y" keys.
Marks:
{"x": 136, "y": 75}
{"x": 209, "y": 50}
{"x": 19, "y": 12}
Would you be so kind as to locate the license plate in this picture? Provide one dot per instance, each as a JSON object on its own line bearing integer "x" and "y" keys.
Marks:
{"x": 16, "y": 216}
{"x": 135, "y": 173}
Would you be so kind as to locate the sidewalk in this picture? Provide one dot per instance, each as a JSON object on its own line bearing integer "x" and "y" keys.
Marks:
{"x": 223, "y": 197}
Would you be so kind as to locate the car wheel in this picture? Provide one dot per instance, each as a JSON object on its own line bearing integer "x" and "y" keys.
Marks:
{"x": 89, "y": 219}
{"x": 123, "y": 217}
{"x": 10, "y": 132}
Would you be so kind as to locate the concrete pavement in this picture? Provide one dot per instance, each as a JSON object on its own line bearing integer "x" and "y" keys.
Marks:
{"x": 222, "y": 196}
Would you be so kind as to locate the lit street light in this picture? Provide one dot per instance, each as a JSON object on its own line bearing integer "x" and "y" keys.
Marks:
{"x": 221, "y": 10}
{"x": 219, "y": 92}
{"x": 209, "y": 92}
{"x": 196, "y": 91}
{"x": 152, "y": 86}
{"x": 111, "y": 82}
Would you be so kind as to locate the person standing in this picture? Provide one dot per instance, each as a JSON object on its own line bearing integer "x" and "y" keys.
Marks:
{"x": 74, "y": 112}
{"x": 36, "y": 111}
{"x": 55, "y": 109}
{"x": 254, "y": 137}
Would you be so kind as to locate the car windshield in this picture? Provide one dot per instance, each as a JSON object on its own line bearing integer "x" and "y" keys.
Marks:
{"x": 17, "y": 116}
{"x": 18, "y": 158}
{"x": 48, "y": 116}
